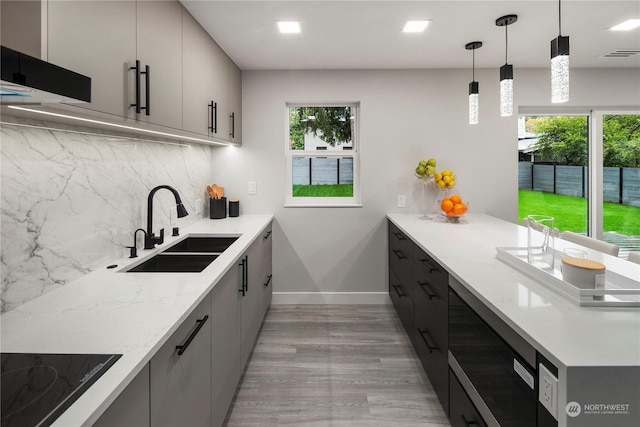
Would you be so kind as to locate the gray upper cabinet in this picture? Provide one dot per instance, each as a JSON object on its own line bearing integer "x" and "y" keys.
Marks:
{"x": 159, "y": 46}
{"x": 97, "y": 39}
{"x": 204, "y": 82}
{"x": 180, "y": 373}
{"x": 235, "y": 102}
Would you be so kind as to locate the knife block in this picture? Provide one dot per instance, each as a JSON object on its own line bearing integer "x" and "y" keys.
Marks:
{"x": 218, "y": 208}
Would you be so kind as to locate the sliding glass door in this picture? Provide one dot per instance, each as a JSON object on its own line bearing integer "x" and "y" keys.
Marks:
{"x": 617, "y": 179}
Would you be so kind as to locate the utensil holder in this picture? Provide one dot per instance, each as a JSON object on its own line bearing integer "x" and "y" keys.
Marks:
{"x": 218, "y": 208}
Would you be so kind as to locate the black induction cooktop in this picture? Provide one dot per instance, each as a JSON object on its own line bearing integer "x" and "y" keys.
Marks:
{"x": 38, "y": 388}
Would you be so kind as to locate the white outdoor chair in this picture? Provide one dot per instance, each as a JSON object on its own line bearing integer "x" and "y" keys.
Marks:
{"x": 590, "y": 242}
{"x": 634, "y": 256}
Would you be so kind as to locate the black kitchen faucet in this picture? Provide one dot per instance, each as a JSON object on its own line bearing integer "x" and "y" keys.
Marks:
{"x": 150, "y": 239}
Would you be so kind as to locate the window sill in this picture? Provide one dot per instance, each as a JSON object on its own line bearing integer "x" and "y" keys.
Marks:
{"x": 327, "y": 205}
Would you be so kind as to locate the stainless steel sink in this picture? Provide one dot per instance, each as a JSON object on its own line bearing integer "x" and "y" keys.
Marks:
{"x": 175, "y": 263}
{"x": 213, "y": 245}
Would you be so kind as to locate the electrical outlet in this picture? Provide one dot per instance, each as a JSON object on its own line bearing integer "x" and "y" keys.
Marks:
{"x": 402, "y": 201}
{"x": 253, "y": 187}
{"x": 548, "y": 390}
{"x": 198, "y": 206}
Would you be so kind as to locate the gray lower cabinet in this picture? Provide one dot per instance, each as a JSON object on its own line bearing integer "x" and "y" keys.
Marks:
{"x": 266, "y": 286}
{"x": 225, "y": 322}
{"x": 249, "y": 291}
{"x": 180, "y": 373}
{"x": 131, "y": 408}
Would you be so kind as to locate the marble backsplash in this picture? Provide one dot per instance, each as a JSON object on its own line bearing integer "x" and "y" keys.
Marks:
{"x": 71, "y": 199}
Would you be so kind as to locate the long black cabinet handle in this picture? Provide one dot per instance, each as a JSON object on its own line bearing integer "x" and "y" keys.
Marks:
{"x": 242, "y": 265}
{"x": 398, "y": 292}
{"x": 233, "y": 125}
{"x": 199, "y": 324}
{"x": 266, "y": 236}
{"x": 399, "y": 254}
{"x": 399, "y": 236}
{"x": 246, "y": 275}
{"x": 427, "y": 264}
{"x": 427, "y": 290}
{"x": 467, "y": 422}
{"x": 214, "y": 117}
{"x": 137, "y": 103}
{"x": 147, "y": 107}
{"x": 424, "y": 334}
{"x": 268, "y": 280}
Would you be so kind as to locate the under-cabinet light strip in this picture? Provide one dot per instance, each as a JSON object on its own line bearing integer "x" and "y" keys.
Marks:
{"x": 152, "y": 132}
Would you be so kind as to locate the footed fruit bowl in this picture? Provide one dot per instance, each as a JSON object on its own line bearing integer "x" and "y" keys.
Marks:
{"x": 453, "y": 208}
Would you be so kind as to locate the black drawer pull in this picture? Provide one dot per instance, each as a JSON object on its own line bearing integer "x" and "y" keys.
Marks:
{"x": 398, "y": 292}
{"x": 424, "y": 334}
{"x": 427, "y": 290}
{"x": 268, "y": 280}
{"x": 200, "y": 322}
{"x": 428, "y": 265}
{"x": 232, "y": 134}
{"x": 266, "y": 236}
{"x": 467, "y": 422}
{"x": 399, "y": 236}
{"x": 399, "y": 254}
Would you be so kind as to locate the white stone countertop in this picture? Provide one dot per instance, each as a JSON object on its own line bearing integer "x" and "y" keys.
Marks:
{"x": 133, "y": 314}
{"x": 567, "y": 334}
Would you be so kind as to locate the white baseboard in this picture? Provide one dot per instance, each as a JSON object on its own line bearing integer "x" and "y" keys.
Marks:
{"x": 300, "y": 298}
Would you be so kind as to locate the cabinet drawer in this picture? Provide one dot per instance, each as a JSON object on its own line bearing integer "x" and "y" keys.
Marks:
{"x": 462, "y": 412}
{"x": 432, "y": 271}
{"x": 401, "y": 252}
{"x": 402, "y": 304}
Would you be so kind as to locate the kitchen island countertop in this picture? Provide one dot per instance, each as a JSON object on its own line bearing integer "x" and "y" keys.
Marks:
{"x": 567, "y": 334}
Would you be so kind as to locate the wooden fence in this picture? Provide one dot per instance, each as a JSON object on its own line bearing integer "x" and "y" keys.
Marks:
{"x": 621, "y": 185}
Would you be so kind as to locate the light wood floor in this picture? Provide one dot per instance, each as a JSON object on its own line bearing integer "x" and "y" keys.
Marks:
{"x": 340, "y": 365}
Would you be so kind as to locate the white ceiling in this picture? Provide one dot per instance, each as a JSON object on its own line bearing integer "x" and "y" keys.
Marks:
{"x": 366, "y": 34}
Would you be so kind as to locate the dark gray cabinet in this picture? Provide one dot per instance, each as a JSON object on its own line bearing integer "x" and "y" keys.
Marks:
{"x": 401, "y": 277}
{"x": 431, "y": 321}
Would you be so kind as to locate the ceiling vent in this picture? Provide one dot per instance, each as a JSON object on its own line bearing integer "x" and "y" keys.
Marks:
{"x": 620, "y": 53}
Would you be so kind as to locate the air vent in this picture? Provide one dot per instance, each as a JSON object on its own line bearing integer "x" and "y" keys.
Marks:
{"x": 621, "y": 53}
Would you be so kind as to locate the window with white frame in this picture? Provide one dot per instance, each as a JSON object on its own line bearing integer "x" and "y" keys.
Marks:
{"x": 322, "y": 150}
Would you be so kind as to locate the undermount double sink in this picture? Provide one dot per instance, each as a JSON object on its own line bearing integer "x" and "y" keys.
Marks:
{"x": 190, "y": 255}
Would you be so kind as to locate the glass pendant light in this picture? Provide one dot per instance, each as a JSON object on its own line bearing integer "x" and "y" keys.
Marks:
{"x": 474, "y": 87}
{"x": 560, "y": 64}
{"x": 506, "y": 71}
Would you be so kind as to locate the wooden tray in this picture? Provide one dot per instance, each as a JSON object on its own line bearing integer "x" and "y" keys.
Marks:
{"x": 619, "y": 291}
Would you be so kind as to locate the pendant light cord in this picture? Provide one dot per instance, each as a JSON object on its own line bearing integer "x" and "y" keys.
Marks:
{"x": 559, "y": 18}
{"x": 506, "y": 44}
{"x": 473, "y": 72}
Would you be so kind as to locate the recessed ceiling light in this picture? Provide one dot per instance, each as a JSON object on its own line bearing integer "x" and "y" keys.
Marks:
{"x": 627, "y": 25}
{"x": 414, "y": 26}
{"x": 288, "y": 27}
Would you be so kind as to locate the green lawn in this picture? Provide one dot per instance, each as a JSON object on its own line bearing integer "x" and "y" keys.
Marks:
{"x": 570, "y": 213}
{"x": 339, "y": 190}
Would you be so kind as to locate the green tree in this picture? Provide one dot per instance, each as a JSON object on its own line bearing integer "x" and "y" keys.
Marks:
{"x": 563, "y": 140}
{"x": 330, "y": 124}
{"x": 621, "y": 140}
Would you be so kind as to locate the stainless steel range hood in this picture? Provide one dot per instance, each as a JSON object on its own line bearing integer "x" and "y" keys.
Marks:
{"x": 29, "y": 80}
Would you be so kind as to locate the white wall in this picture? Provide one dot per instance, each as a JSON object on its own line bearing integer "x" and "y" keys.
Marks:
{"x": 405, "y": 116}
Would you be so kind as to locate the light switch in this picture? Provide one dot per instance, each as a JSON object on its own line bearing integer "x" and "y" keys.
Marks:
{"x": 402, "y": 201}
{"x": 253, "y": 187}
